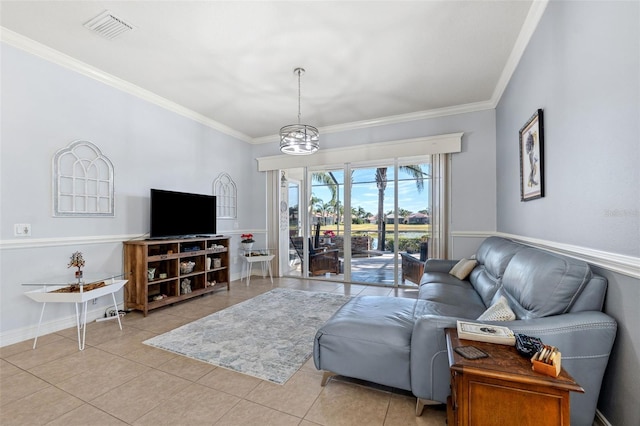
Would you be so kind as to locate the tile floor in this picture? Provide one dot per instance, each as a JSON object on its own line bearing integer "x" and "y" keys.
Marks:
{"x": 117, "y": 380}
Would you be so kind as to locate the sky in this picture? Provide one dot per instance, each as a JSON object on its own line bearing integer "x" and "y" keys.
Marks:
{"x": 364, "y": 192}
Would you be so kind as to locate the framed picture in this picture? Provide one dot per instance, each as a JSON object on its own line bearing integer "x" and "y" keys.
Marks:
{"x": 532, "y": 158}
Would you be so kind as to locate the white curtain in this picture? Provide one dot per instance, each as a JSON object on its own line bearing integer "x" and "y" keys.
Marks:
{"x": 438, "y": 247}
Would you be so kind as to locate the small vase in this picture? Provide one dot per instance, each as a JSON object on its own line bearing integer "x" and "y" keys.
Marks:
{"x": 208, "y": 263}
{"x": 247, "y": 246}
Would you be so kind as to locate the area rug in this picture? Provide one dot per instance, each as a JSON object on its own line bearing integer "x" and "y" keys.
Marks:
{"x": 269, "y": 337}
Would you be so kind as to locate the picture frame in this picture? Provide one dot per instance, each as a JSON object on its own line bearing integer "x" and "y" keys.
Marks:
{"x": 532, "y": 158}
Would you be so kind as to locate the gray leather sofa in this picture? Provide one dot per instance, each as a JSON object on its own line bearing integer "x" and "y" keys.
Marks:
{"x": 400, "y": 342}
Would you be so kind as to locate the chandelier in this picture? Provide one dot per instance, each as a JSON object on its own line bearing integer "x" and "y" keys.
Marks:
{"x": 299, "y": 139}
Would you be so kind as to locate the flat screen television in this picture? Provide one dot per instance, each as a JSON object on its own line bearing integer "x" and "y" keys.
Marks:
{"x": 181, "y": 214}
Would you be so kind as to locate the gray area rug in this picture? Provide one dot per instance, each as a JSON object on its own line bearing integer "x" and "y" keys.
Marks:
{"x": 269, "y": 336}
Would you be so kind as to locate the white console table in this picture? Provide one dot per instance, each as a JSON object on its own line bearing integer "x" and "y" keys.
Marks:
{"x": 262, "y": 256}
{"x": 46, "y": 294}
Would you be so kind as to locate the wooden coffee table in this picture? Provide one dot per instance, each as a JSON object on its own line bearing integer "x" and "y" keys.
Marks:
{"x": 503, "y": 389}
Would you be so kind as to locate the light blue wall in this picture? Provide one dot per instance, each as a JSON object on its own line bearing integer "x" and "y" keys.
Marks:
{"x": 44, "y": 108}
{"x": 582, "y": 67}
{"x": 473, "y": 170}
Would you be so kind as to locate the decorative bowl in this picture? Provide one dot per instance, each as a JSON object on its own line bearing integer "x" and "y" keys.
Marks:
{"x": 186, "y": 267}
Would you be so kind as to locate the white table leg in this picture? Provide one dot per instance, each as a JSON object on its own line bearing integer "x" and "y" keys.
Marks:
{"x": 115, "y": 306}
{"x": 249, "y": 266}
{"x": 35, "y": 341}
{"x": 269, "y": 268}
{"x": 84, "y": 325}
{"x": 78, "y": 326}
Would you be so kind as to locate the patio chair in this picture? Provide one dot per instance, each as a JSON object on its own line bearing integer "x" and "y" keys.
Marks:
{"x": 412, "y": 268}
{"x": 321, "y": 261}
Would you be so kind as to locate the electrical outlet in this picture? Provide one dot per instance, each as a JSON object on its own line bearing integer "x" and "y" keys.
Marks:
{"x": 22, "y": 230}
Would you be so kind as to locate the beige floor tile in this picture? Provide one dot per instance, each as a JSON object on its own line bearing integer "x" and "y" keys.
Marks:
{"x": 27, "y": 345}
{"x": 76, "y": 363}
{"x": 139, "y": 396}
{"x": 376, "y": 291}
{"x": 402, "y": 412}
{"x": 160, "y": 321}
{"x": 149, "y": 355}
{"x": 7, "y": 369}
{"x": 230, "y": 381}
{"x": 194, "y": 405}
{"x": 186, "y": 368}
{"x": 43, "y": 353}
{"x": 18, "y": 386}
{"x": 247, "y": 413}
{"x": 85, "y": 415}
{"x": 108, "y": 376}
{"x": 348, "y": 404}
{"x": 129, "y": 341}
{"x": 191, "y": 311}
{"x": 97, "y": 332}
{"x": 295, "y": 397}
{"x": 38, "y": 408}
{"x": 310, "y": 367}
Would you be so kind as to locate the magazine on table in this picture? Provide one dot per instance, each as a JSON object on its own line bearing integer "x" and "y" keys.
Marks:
{"x": 485, "y": 333}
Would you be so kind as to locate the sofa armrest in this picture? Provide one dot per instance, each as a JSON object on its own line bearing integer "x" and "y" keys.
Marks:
{"x": 439, "y": 265}
{"x": 430, "y": 377}
{"x": 584, "y": 338}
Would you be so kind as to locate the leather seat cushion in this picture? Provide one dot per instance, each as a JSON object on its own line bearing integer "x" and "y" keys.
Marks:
{"x": 365, "y": 333}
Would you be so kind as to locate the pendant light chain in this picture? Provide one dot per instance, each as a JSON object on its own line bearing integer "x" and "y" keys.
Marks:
{"x": 299, "y": 72}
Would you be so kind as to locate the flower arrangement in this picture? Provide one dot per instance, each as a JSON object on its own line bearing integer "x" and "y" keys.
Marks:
{"x": 247, "y": 238}
{"x": 329, "y": 234}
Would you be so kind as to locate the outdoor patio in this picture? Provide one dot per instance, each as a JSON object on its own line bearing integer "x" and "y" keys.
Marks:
{"x": 375, "y": 269}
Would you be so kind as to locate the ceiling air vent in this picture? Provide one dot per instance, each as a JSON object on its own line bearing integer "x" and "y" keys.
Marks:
{"x": 108, "y": 25}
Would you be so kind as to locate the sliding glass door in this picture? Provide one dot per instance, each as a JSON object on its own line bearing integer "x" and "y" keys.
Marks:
{"x": 360, "y": 221}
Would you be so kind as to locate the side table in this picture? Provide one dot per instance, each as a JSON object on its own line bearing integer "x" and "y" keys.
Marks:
{"x": 47, "y": 294}
{"x": 262, "y": 256}
{"x": 501, "y": 388}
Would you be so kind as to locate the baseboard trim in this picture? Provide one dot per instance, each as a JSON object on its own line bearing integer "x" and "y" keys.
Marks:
{"x": 52, "y": 326}
{"x": 600, "y": 420}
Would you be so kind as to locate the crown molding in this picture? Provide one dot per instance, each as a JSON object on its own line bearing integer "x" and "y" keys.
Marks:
{"x": 38, "y": 49}
{"x": 393, "y": 119}
{"x": 526, "y": 32}
{"x": 530, "y": 24}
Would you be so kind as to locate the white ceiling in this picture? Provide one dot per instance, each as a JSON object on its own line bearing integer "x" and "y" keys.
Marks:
{"x": 231, "y": 63}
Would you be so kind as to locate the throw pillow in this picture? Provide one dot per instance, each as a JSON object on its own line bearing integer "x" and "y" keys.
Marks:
{"x": 463, "y": 268}
{"x": 499, "y": 311}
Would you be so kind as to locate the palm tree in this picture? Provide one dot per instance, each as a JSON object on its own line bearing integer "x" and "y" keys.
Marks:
{"x": 415, "y": 171}
{"x": 324, "y": 209}
{"x": 329, "y": 180}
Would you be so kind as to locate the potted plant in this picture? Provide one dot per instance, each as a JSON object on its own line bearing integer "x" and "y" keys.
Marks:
{"x": 247, "y": 241}
{"x": 328, "y": 235}
{"x": 77, "y": 262}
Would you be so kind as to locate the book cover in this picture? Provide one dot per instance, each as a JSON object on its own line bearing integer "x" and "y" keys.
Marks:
{"x": 485, "y": 333}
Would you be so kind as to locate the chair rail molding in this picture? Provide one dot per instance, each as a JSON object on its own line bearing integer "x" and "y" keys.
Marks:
{"x": 619, "y": 263}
